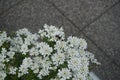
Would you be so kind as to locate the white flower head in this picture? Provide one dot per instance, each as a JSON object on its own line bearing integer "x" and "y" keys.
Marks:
{"x": 3, "y": 37}
{"x": 52, "y": 33}
{"x": 2, "y": 75}
{"x": 45, "y": 49}
{"x": 60, "y": 46}
{"x": 12, "y": 70}
{"x": 58, "y": 58}
{"x": 23, "y": 69}
{"x": 64, "y": 74}
{"x": 23, "y": 31}
{"x": 74, "y": 63}
{"x": 24, "y": 49}
{"x": 73, "y": 41}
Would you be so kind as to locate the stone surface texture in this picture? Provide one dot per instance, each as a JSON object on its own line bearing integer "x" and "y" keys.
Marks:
{"x": 99, "y": 21}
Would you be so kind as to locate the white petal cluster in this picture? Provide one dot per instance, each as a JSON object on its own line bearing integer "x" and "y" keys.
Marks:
{"x": 60, "y": 46}
{"x": 2, "y": 75}
{"x": 52, "y": 33}
{"x": 58, "y": 58}
{"x": 12, "y": 70}
{"x": 3, "y": 58}
{"x": 45, "y": 55}
{"x": 23, "y": 69}
{"x": 76, "y": 42}
{"x": 44, "y": 49}
{"x": 3, "y": 38}
{"x": 92, "y": 58}
{"x": 64, "y": 74}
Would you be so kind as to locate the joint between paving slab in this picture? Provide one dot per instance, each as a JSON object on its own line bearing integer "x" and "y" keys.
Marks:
{"x": 62, "y": 13}
{"x": 5, "y": 11}
{"x": 113, "y": 61}
{"x": 81, "y": 30}
{"x": 88, "y": 24}
{"x": 99, "y": 16}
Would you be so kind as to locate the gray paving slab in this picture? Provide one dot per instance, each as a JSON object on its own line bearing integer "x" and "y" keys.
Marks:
{"x": 107, "y": 70}
{"x": 1, "y": 6}
{"x": 82, "y": 12}
{"x": 106, "y": 33}
{"x": 6, "y": 4}
{"x": 33, "y": 15}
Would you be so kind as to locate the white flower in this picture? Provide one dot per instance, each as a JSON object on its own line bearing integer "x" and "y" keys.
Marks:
{"x": 46, "y": 64}
{"x": 2, "y": 75}
{"x": 55, "y": 79}
{"x": 64, "y": 74}
{"x": 60, "y": 46}
{"x": 35, "y": 67}
{"x": 66, "y": 58}
{"x": 92, "y": 58}
{"x": 76, "y": 42}
{"x": 73, "y": 42}
{"x": 31, "y": 39}
{"x": 42, "y": 73}
{"x": 83, "y": 43}
{"x": 23, "y": 69}
{"x": 34, "y": 52}
{"x": 71, "y": 52}
{"x": 23, "y": 31}
{"x": 17, "y": 41}
{"x": 3, "y": 55}
{"x": 12, "y": 70}
{"x": 24, "y": 49}
{"x": 38, "y": 60}
{"x": 74, "y": 63}
{"x": 11, "y": 54}
{"x": 58, "y": 58}
{"x": 45, "y": 49}
{"x": 3, "y": 38}
{"x": 1, "y": 42}
{"x": 52, "y": 33}
{"x": 2, "y": 66}
{"x": 4, "y": 51}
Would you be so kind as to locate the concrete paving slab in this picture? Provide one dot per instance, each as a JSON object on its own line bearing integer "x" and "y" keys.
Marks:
{"x": 5, "y": 5}
{"x": 1, "y": 6}
{"x": 107, "y": 70}
{"x": 33, "y": 15}
{"x": 82, "y": 12}
{"x": 106, "y": 33}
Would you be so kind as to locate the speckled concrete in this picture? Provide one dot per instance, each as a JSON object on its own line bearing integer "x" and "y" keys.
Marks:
{"x": 5, "y": 5}
{"x": 107, "y": 70}
{"x": 106, "y": 33}
{"x": 99, "y": 21}
{"x": 33, "y": 15}
{"x": 82, "y": 12}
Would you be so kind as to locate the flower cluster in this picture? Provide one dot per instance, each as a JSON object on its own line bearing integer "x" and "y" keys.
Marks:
{"x": 45, "y": 55}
